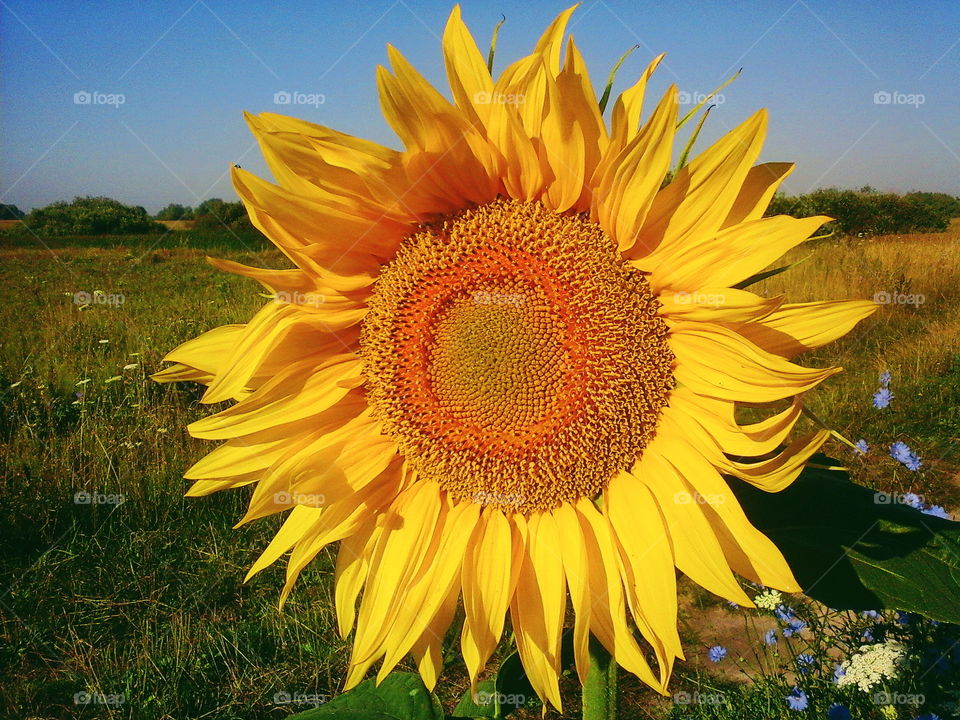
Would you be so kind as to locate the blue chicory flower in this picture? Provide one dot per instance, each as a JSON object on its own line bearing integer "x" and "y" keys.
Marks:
{"x": 717, "y": 653}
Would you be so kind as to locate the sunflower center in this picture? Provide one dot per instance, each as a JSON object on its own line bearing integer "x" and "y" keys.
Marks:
{"x": 514, "y": 356}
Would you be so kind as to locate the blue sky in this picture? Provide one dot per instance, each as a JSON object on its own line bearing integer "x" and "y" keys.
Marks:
{"x": 186, "y": 69}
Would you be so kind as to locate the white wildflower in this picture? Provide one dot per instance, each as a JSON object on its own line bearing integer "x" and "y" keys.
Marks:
{"x": 768, "y": 600}
{"x": 872, "y": 665}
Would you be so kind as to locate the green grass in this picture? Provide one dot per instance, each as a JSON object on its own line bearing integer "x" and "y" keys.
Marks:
{"x": 145, "y": 599}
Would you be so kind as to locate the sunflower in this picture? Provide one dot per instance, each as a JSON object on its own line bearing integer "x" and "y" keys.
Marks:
{"x": 506, "y": 367}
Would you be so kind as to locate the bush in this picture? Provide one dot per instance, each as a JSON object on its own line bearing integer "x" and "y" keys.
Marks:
{"x": 868, "y": 212}
{"x": 173, "y": 211}
{"x": 215, "y": 213}
{"x": 90, "y": 216}
{"x": 10, "y": 212}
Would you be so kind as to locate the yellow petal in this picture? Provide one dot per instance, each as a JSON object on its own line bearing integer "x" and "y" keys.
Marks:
{"x": 797, "y": 327}
{"x": 537, "y": 608}
{"x": 758, "y": 190}
{"x": 717, "y": 362}
{"x": 646, "y": 565}
{"x": 699, "y": 198}
{"x": 632, "y": 179}
{"x": 728, "y": 257}
{"x": 696, "y": 549}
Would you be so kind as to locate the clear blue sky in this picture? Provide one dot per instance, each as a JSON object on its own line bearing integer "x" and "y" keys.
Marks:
{"x": 188, "y": 68}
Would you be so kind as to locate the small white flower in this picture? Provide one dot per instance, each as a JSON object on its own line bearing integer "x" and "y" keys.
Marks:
{"x": 768, "y": 600}
{"x": 872, "y": 665}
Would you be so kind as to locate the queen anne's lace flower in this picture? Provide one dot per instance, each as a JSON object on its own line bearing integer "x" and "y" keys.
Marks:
{"x": 768, "y": 600}
{"x": 872, "y": 665}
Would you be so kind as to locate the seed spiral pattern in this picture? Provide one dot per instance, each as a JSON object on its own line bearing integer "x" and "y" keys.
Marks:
{"x": 513, "y": 355}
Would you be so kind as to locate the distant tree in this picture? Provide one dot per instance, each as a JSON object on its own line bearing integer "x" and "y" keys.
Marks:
{"x": 10, "y": 212}
{"x": 217, "y": 213}
{"x": 90, "y": 216}
{"x": 870, "y": 212}
{"x": 174, "y": 211}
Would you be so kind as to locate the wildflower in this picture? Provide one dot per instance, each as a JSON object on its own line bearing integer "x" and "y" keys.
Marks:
{"x": 838, "y": 712}
{"x": 717, "y": 653}
{"x": 797, "y": 699}
{"x": 872, "y": 614}
{"x": 793, "y": 627}
{"x": 770, "y": 636}
{"x": 862, "y": 446}
{"x": 872, "y": 665}
{"x": 936, "y": 511}
{"x": 768, "y": 599}
{"x": 885, "y": 378}
{"x": 902, "y": 453}
{"x": 784, "y": 613}
{"x": 805, "y": 661}
{"x": 882, "y": 398}
{"x": 913, "y": 500}
{"x": 838, "y": 672}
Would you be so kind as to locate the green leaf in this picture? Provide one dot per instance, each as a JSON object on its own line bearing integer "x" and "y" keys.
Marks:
{"x": 512, "y": 684}
{"x": 853, "y": 548}
{"x": 401, "y": 696}
{"x": 486, "y": 708}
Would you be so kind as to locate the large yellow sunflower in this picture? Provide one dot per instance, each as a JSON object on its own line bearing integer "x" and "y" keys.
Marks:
{"x": 507, "y": 364}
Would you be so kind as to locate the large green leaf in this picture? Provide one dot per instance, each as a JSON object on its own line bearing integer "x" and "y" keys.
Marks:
{"x": 401, "y": 696}
{"x": 853, "y": 548}
{"x": 485, "y": 705}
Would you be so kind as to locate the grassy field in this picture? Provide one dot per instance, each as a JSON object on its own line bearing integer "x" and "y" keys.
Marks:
{"x": 143, "y": 598}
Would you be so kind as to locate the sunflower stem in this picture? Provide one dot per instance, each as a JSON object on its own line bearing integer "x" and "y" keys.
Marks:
{"x": 600, "y": 689}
